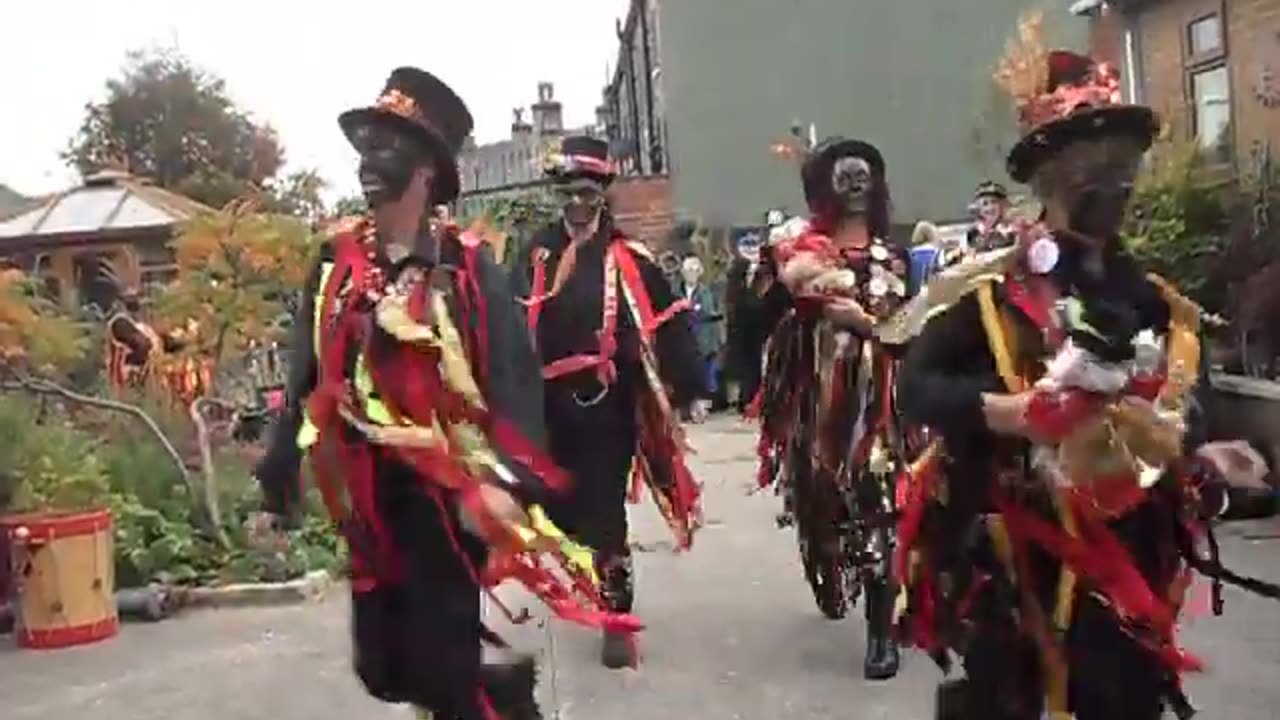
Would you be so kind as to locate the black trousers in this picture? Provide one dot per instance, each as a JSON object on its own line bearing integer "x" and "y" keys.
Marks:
{"x": 596, "y": 443}
{"x": 1110, "y": 675}
{"x": 418, "y": 641}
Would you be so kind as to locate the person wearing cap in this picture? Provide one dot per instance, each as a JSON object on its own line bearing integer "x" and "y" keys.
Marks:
{"x": 617, "y": 348}
{"x": 747, "y": 284}
{"x": 415, "y": 391}
{"x": 838, "y": 276}
{"x": 991, "y": 229}
{"x": 1057, "y": 575}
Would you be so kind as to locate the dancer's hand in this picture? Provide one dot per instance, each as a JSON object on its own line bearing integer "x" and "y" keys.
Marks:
{"x": 265, "y": 532}
{"x": 499, "y": 505}
{"x": 502, "y": 505}
{"x": 847, "y": 313}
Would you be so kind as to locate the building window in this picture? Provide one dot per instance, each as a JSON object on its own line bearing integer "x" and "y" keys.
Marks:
{"x": 1204, "y": 36}
{"x": 1209, "y": 86}
{"x": 1211, "y": 98}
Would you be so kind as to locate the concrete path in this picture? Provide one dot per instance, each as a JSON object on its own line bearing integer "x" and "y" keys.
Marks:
{"x": 733, "y": 635}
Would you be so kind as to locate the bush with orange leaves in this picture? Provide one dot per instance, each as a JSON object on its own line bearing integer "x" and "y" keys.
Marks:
{"x": 36, "y": 336}
{"x": 237, "y": 271}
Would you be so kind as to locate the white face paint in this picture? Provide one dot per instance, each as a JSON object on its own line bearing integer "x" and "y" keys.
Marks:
{"x": 691, "y": 270}
{"x": 988, "y": 208}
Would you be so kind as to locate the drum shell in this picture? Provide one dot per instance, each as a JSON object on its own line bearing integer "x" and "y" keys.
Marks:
{"x": 63, "y": 577}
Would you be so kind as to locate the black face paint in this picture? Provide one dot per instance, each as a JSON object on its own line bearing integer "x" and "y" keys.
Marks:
{"x": 1096, "y": 181}
{"x": 851, "y": 182}
{"x": 580, "y": 202}
{"x": 1098, "y": 210}
{"x": 387, "y": 164}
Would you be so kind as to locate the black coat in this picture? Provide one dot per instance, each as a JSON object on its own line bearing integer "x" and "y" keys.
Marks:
{"x": 419, "y": 639}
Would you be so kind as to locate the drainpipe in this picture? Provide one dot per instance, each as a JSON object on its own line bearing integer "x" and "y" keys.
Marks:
{"x": 655, "y": 146}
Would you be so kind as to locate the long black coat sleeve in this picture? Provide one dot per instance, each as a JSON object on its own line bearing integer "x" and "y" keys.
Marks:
{"x": 676, "y": 343}
{"x": 513, "y": 383}
{"x": 278, "y": 471}
{"x": 946, "y": 370}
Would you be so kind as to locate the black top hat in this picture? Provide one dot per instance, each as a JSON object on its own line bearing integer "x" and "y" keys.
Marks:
{"x": 1080, "y": 101}
{"x": 815, "y": 174}
{"x": 581, "y": 156}
{"x": 421, "y": 105}
{"x": 990, "y": 188}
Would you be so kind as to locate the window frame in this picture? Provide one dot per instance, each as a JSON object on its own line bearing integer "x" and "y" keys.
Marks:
{"x": 1190, "y": 57}
{"x": 1196, "y": 64}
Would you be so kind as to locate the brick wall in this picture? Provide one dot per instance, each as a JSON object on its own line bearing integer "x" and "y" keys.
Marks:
{"x": 641, "y": 205}
{"x": 1253, "y": 46}
{"x": 1252, "y": 38}
{"x": 1106, "y": 37}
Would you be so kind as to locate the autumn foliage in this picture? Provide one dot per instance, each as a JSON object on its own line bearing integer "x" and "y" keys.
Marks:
{"x": 35, "y": 335}
{"x": 237, "y": 269}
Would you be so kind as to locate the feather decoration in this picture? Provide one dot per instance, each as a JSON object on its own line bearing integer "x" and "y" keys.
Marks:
{"x": 1023, "y": 72}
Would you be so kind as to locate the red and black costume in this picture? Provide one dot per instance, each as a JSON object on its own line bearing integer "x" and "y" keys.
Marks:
{"x": 748, "y": 313}
{"x": 616, "y": 349}
{"x": 828, "y": 433}
{"x": 1057, "y": 569}
{"x": 412, "y": 383}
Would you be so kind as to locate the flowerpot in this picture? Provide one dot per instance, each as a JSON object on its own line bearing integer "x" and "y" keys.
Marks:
{"x": 1247, "y": 408}
{"x": 63, "y": 577}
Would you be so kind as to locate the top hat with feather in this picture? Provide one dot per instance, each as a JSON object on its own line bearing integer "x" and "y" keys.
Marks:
{"x": 1063, "y": 97}
{"x": 423, "y": 107}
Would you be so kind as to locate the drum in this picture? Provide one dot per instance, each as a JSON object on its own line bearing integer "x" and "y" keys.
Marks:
{"x": 63, "y": 576}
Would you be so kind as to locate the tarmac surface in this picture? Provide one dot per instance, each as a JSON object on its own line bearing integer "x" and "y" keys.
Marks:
{"x": 733, "y": 635}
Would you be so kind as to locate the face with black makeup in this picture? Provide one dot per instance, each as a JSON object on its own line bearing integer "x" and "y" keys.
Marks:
{"x": 1090, "y": 182}
{"x": 851, "y": 182}
{"x": 581, "y": 200}
{"x": 394, "y": 168}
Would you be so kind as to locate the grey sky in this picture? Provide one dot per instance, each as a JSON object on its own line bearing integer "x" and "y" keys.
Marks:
{"x": 294, "y": 64}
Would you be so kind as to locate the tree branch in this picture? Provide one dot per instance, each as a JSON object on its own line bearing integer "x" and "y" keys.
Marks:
{"x": 44, "y": 388}
{"x": 211, "y": 498}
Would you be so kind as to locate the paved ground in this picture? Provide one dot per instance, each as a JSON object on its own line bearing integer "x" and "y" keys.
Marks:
{"x": 733, "y": 636}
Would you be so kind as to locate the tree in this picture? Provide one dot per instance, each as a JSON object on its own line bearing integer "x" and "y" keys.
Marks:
{"x": 35, "y": 335}
{"x": 297, "y": 194}
{"x": 1176, "y": 224}
{"x": 169, "y": 121}
{"x": 516, "y": 218}
{"x": 236, "y": 270}
{"x": 349, "y": 205}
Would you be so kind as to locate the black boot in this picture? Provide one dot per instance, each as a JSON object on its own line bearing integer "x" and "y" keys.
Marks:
{"x": 510, "y": 688}
{"x": 951, "y": 701}
{"x": 617, "y": 650}
{"x": 882, "y": 649}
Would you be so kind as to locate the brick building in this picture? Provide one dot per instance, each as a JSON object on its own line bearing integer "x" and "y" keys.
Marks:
{"x": 1211, "y": 68}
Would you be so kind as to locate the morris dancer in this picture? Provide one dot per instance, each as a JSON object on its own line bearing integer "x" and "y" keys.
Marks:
{"x": 1050, "y": 535}
{"x": 612, "y": 339}
{"x": 824, "y": 397}
{"x": 747, "y": 282}
{"x": 415, "y": 390}
{"x": 992, "y": 230}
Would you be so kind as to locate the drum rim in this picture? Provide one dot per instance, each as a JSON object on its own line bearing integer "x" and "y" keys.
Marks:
{"x": 53, "y": 524}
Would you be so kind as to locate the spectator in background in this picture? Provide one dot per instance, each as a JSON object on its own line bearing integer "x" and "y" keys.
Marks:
{"x": 707, "y": 317}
